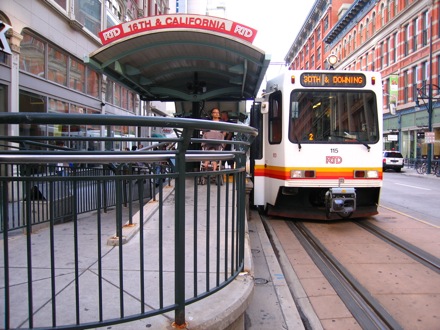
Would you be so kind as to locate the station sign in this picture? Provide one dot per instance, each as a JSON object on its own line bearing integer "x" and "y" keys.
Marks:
{"x": 429, "y": 137}
{"x": 319, "y": 79}
{"x": 177, "y": 21}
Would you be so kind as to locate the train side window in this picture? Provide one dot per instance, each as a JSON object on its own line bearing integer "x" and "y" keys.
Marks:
{"x": 275, "y": 118}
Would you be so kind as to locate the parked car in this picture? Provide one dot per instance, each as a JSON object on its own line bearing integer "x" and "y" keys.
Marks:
{"x": 392, "y": 160}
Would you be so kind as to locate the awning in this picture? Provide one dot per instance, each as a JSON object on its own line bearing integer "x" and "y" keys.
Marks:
{"x": 183, "y": 58}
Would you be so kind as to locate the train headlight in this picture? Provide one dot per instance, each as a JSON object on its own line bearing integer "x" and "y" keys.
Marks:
{"x": 372, "y": 174}
{"x": 366, "y": 174}
{"x": 300, "y": 174}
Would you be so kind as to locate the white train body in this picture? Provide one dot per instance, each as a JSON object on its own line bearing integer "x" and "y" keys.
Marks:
{"x": 319, "y": 150}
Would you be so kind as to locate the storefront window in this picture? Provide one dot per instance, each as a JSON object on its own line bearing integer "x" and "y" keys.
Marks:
{"x": 117, "y": 99}
{"x": 57, "y": 66}
{"x": 109, "y": 91}
{"x": 92, "y": 83}
{"x": 77, "y": 76}
{"x": 32, "y": 55}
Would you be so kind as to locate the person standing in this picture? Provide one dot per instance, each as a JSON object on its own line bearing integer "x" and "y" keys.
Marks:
{"x": 215, "y": 116}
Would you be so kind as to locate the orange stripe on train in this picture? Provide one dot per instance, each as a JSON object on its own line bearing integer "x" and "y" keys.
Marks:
{"x": 281, "y": 173}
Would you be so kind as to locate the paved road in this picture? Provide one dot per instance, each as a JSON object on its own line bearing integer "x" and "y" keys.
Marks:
{"x": 413, "y": 194}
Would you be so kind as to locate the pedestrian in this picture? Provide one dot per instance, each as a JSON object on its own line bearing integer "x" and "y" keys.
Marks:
{"x": 215, "y": 116}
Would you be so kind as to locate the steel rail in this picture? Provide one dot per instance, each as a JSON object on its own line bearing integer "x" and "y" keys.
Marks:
{"x": 365, "y": 309}
{"x": 414, "y": 252}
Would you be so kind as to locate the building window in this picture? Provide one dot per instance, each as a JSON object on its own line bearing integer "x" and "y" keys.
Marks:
{"x": 354, "y": 40}
{"x": 119, "y": 96}
{"x": 414, "y": 82}
{"x": 318, "y": 33}
{"x": 318, "y": 55}
{"x": 349, "y": 44}
{"x": 380, "y": 56}
{"x": 389, "y": 5}
{"x": 406, "y": 43}
{"x": 415, "y": 33}
{"x": 425, "y": 24}
{"x": 373, "y": 23}
{"x": 77, "y": 76}
{"x": 62, "y": 3}
{"x": 382, "y": 15}
{"x": 438, "y": 69}
{"x": 88, "y": 13}
{"x": 344, "y": 49}
{"x": 388, "y": 50}
{"x": 32, "y": 56}
{"x": 425, "y": 72}
{"x": 395, "y": 49}
{"x": 367, "y": 28}
{"x": 361, "y": 33}
{"x": 405, "y": 87}
{"x": 57, "y": 66}
{"x": 61, "y": 68}
{"x": 326, "y": 23}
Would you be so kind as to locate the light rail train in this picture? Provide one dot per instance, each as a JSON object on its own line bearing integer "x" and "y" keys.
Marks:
{"x": 319, "y": 150}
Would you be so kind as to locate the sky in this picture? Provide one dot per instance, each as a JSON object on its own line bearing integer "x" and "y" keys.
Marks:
{"x": 277, "y": 22}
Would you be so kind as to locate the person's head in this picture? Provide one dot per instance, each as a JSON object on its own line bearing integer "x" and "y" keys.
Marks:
{"x": 215, "y": 114}
{"x": 224, "y": 116}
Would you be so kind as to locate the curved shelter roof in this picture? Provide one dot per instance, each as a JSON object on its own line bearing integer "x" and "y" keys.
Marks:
{"x": 183, "y": 58}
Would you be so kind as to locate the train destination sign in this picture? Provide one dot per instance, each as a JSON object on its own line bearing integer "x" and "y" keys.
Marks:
{"x": 319, "y": 79}
{"x": 177, "y": 21}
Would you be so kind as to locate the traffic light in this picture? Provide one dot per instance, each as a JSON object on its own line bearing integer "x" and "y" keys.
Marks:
{"x": 420, "y": 135}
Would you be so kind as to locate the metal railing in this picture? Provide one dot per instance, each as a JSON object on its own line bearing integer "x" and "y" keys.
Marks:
{"x": 52, "y": 273}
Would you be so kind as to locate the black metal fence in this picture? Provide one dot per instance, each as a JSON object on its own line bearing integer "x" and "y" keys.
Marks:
{"x": 58, "y": 270}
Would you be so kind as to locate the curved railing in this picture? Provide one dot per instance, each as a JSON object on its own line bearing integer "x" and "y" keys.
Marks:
{"x": 182, "y": 253}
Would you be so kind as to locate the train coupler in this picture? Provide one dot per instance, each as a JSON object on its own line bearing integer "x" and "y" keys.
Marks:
{"x": 341, "y": 201}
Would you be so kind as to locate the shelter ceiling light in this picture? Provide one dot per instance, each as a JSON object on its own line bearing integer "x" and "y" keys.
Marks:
{"x": 131, "y": 70}
{"x": 237, "y": 69}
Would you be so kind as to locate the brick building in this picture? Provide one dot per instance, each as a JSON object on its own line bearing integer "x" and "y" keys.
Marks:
{"x": 399, "y": 39}
{"x": 42, "y": 60}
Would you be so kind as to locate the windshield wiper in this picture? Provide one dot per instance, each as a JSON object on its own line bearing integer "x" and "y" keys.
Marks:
{"x": 352, "y": 137}
{"x": 297, "y": 141}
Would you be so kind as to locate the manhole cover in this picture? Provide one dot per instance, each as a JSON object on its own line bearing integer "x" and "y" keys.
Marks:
{"x": 260, "y": 281}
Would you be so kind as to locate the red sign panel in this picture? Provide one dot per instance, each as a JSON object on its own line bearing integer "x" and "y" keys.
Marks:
{"x": 161, "y": 22}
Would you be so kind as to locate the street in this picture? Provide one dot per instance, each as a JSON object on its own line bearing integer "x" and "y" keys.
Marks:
{"x": 413, "y": 194}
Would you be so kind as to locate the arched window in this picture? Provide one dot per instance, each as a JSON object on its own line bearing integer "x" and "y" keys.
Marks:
{"x": 389, "y": 5}
{"x": 367, "y": 28}
{"x": 373, "y": 23}
{"x": 361, "y": 33}
{"x": 382, "y": 14}
{"x": 354, "y": 40}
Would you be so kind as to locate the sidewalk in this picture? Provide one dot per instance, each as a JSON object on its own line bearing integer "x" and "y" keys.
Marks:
{"x": 412, "y": 172}
{"x": 224, "y": 308}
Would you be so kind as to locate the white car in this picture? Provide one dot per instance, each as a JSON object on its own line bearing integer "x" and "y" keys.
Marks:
{"x": 392, "y": 160}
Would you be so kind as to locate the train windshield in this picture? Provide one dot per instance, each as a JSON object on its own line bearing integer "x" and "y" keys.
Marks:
{"x": 342, "y": 116}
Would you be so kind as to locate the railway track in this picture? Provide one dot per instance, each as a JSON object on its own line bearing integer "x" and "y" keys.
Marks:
{"x": 369, "y": 304}
{"x": 413, "y": 251}
{"x": 364, "y": 308}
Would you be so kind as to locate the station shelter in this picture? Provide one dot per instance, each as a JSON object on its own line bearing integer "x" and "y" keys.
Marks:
{"x": 197, "y": 62}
